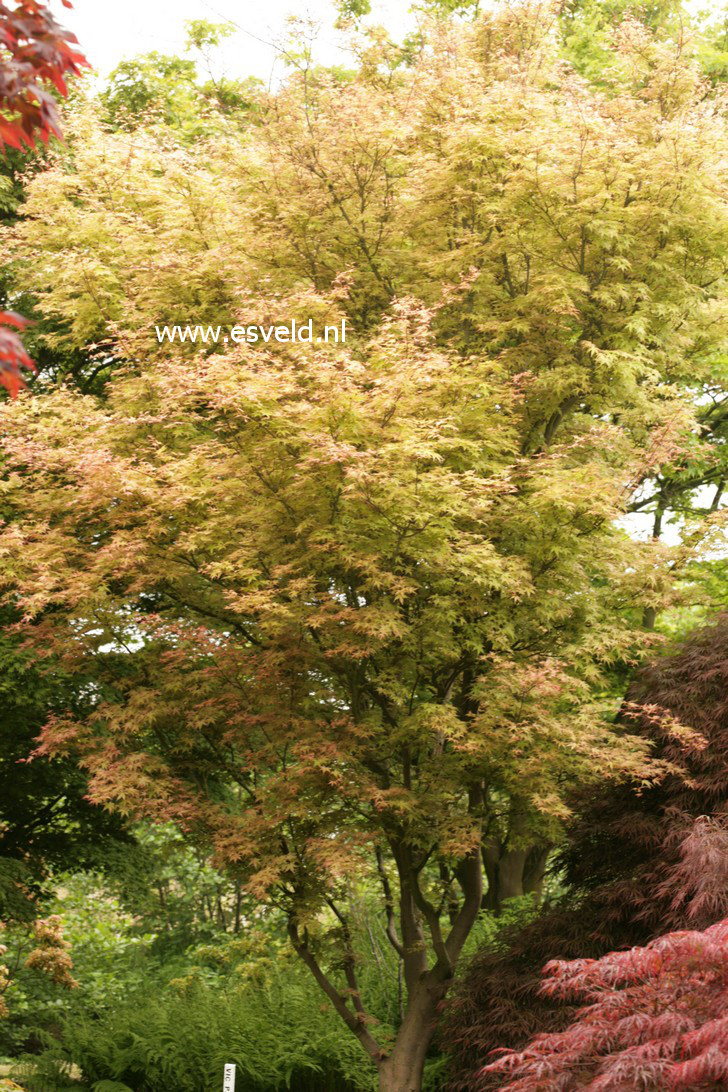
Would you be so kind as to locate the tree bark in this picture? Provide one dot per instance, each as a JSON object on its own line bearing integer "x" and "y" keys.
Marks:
{"x": 504, "y": 869}
{"x": 649, "y": 615}
{"x": 402, "y": 1070}
{"x": 535, "y": 870}
{"x": 512, "y": 872}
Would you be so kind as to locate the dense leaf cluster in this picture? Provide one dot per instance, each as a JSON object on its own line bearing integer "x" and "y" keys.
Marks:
{"x": 34, "y": 51}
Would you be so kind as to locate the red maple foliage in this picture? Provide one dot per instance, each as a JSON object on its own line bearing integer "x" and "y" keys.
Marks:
{"x": 34, "y": 52}
{"x": 639, "y": 862}
{"x": 656, "y": 1018}
{"x": 13, "y": 356}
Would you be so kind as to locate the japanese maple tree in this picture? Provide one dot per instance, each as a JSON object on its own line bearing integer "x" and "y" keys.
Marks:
{"x": 34, "y": 52}
{"x": 327, "y": 633}
{"x": 637, "y": 861}
{"x": 651, "y": 1018}
{"x": 13, "y": 357}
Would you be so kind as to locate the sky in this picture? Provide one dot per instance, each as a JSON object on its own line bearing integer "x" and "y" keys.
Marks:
{"x": 112, "y": 30}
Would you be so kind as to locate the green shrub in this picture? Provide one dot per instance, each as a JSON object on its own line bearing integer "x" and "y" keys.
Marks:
{"x": 280, "y": 1035}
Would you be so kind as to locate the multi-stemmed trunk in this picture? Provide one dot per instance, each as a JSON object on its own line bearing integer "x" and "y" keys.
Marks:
{"x": 427, "y": 979}
{"x": 515, "y": 864}
{"x": 513, "y": 872}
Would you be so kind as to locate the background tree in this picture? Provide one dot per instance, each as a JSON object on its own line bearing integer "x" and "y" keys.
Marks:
{"x": 46, "y": 821}
{"x": 170, "y": 90}
{"x": 47, "y": 825}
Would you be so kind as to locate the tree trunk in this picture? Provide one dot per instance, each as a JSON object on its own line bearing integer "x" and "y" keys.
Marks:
{"x": 402, "y": 1070}
{"x": 649, "y": 615}
{"x": 535, "y": 870}
{"x": 504, "y": 869}
{"x": 513, "y": 872}
{"x": 510, "y": 875}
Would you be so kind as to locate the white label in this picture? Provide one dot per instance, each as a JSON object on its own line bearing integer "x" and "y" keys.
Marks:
{"x": 228, "y": 1082}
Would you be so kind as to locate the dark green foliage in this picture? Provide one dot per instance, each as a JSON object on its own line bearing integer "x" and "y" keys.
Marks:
{"x": 173, "y": 892}
{"x": 46, "y": 821}
{"x": 244, "y": 999}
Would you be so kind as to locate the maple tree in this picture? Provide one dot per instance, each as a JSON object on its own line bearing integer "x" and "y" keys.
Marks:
{"x": 652, "y": 1018}
{"x": 636, "y": 861}
{"x": 414, "y": 179}
{"x": 353, "y": 657}
{"x": 551, "y": 244}
{"x": 13, "y": 357}
{"x": 349, "y": 608}
{"x": 34, "y": 51}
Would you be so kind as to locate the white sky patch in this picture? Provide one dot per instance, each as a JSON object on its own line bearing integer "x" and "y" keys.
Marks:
{"x": 109, "y": 33}
{"x": 640, "y": 525}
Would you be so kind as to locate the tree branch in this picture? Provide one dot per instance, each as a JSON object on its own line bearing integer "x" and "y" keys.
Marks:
{"x": 391, "y": 930}
{"x": 352, "y": 1021}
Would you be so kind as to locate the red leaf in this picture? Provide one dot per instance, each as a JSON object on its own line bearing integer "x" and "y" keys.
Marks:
{"x": 12, "y": 318}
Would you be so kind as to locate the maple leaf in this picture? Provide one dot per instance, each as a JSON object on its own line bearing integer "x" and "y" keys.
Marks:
{"x": 655, "y": 1017}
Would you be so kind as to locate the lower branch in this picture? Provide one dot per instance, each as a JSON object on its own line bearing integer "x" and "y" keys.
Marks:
{"x": 353, "y": 1021}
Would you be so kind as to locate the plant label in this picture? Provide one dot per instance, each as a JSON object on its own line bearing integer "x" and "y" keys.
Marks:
{"x": 228, "y": 1081}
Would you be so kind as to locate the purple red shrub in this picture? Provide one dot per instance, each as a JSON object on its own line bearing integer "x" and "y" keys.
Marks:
{"x": 638, "y": 862}
{"x": 655, "y": 1018}
{"x": 34, "y": 52}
